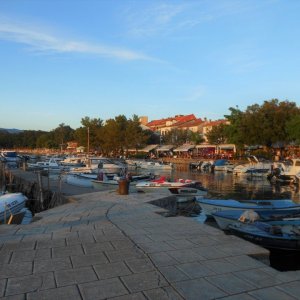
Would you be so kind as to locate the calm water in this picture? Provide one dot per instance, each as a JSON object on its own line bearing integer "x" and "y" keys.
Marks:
{"x": 223, "y": 185}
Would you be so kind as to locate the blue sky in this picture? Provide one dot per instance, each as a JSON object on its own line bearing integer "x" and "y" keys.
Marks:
{"x": 62, "y": 60}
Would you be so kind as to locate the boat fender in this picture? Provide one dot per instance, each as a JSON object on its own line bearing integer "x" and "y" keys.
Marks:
{"x": 275, "y": 230}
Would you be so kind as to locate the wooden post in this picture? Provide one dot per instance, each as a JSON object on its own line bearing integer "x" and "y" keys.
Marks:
{"x": 40, "y": 187}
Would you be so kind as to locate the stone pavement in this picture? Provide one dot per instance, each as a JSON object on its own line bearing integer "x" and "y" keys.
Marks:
{"x": 110, "y": 246}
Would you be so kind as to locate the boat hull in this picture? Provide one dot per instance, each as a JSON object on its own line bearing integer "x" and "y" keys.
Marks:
{"x": 265, "y": 239}
{"x": 11, "y": 204}
{"x": 210, "y": 206}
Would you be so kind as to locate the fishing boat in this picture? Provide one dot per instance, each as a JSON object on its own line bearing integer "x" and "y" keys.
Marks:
{"x": 224, "y": 218}
{"x": 268, "y": 235}
{"x": 209, "y": 206}
{"x": 11, "y": 204}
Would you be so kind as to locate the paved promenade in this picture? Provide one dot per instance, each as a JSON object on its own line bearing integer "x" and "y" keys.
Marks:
{"x": 110, "y": 246}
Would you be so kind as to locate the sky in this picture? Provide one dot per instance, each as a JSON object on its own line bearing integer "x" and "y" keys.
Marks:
{"x": 63, "y": 60}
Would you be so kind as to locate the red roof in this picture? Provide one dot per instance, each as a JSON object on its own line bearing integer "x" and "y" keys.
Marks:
{"x": 215, "y": 123}
{"x": 179, "y": 119}
{"x": 192, "y": 123}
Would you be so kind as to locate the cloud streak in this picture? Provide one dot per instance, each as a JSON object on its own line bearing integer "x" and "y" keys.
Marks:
{"x": 40, "y": 41}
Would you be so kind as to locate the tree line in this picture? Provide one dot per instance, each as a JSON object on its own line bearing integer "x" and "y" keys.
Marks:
{"x": 273, "y": 122}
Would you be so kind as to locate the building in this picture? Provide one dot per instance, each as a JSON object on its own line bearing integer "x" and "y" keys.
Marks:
{"x": 208, "y": 126}
{"x": 163, "y": 126}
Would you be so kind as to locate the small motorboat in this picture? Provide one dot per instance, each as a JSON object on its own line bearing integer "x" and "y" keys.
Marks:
{"x": 223, "y": 165}
{"x": 80, "y": 179}
{"x": 52, "y": 165}
{"x": 178, "y": 187}
{"x": 209, "y": 206}
{"x": 155, "y": 165}
{"x": 104, "y": 179}
{"x": 11, "y": 204}
{"x": 268, "y": 235}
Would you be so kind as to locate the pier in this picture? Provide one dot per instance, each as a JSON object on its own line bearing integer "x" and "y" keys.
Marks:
{"x": 102, "y": 245}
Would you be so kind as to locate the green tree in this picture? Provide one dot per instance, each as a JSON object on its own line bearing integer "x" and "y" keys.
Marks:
{"x": 261, "y": 125}
{"x": 293, "y": 129}
{"x": 218, "y": 134}
{"x": 135, "y": 136}
{"x": 89, "y": 134}
{"x": 61, "y": 135}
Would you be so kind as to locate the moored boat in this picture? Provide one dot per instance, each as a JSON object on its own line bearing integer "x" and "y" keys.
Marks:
{"x": 178, "y": 187}
{"x": 254, "y": 167}
{"x": 80, "y": 179}
{"x": 10, "y": 204}
{"x": 155, "y": 165}
{"x": 267, "y": 235}
{"x": 209, "y": 206}
{"x": 224, "y": 218}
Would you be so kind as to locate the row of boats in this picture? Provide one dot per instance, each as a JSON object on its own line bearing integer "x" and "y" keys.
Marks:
{"x": 285, "y": 171}
{"x": 273, "y": 224}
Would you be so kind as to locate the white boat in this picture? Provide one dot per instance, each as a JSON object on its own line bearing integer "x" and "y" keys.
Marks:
{"x": 106, "y": 164}
{"x": 254, "y": 167}
{"x": 179, "y": 187}
{"x": 209, "y": 206}
{"x": 155, "y": 165}
{"x": 72, "y": 161}
{"x": 288, "y": 171}
{"x": 80, "y": 179}
{"x": 51, "y": 165}
{"x": 10, "y": 204}
{"x": 104, "y": 179}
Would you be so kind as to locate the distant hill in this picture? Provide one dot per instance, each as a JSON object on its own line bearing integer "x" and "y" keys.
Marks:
{"x": 11, "y": 130}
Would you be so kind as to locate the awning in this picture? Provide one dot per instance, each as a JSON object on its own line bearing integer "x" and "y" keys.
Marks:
{"x": 206, "y": 146}
{"x": 163, "y": 148}
{"x": 184, "y": 148}
{"x": 148, "y": 148}
{"x": 226, "y": 147}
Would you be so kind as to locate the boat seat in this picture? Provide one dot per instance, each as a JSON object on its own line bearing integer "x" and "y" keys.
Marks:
{"x": 16, "y": 218}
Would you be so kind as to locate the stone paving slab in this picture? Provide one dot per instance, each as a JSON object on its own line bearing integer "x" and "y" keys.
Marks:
{"x": 109, "y": 246}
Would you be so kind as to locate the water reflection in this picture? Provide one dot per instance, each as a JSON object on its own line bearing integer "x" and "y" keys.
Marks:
{"x": 223, "y": 185}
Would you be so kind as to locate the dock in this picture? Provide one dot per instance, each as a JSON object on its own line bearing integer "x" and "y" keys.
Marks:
{"x": 102, "y": 245}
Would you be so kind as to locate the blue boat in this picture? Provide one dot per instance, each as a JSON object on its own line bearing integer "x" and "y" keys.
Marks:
{"x": 225, "y": 218}
{"x": 209, "y": 206}
{"x": 268, "y": 235}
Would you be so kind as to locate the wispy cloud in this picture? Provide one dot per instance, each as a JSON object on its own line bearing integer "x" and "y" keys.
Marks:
{"x": 196, "y": 94}
{"x": 149, "y": 20}
{"x": 159, "y": 18}
{"x": 41, "y": 41}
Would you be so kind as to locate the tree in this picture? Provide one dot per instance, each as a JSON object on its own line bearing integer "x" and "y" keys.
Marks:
{"x": 261, "y": 125}
{"x": 293, "y": 129}
{"x": 61, "y": 135}
{"x": 218, "y": 134}
{"x": 90, "y": 133}
{"x": 135, "y": 136}
{"x": 236, "y": 131}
